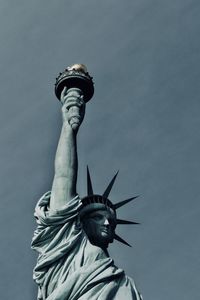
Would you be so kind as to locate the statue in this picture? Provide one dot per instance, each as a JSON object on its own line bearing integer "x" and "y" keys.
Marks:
{"x": 73, "y": 234}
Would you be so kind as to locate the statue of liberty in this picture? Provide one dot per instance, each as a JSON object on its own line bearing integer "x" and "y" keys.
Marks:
{"x": 73, "y": 233}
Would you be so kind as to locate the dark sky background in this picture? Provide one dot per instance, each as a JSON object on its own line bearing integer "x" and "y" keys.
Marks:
{"x": 143, "y": 120}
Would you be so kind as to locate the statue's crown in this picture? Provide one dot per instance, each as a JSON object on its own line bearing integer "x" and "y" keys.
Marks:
{"x": 94, "y": 202}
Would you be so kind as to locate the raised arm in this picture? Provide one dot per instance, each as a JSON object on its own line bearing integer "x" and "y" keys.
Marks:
{"x": 66, "y": 161}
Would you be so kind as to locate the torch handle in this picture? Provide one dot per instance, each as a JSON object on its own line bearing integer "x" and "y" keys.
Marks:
{"x": 74, "y": 98}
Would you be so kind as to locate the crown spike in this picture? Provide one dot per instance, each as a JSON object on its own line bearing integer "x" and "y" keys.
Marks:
{"x": 121, "y": 203}
{"x": 119, "y": 239}
{"x": 120, "y": 221}
{"x": 89, "y": 183}
{"x": 108, "y": 189}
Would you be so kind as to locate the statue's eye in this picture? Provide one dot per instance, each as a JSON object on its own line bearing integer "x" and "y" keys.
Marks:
{"x": 97, "y": 218}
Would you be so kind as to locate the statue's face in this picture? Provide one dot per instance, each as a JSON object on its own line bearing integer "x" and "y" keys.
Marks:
{"x": 99, "y": 226}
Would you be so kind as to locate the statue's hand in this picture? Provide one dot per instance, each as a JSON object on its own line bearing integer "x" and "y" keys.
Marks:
{"x": 73, "y": 109}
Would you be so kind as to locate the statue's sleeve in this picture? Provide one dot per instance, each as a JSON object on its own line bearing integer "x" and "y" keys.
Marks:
{"x": 53, "y": 227}
{"x": 57, "y": 234}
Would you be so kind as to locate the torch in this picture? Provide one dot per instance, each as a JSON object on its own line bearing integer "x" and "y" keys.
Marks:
{"x": 79, "y": 85}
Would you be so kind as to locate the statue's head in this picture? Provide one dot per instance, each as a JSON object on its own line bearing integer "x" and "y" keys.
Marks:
{"x": 99, "y": 224}
{"x": 98, "y": 216}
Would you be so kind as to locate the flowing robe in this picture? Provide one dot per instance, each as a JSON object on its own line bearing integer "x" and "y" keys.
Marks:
{"x": 69, "y": 267}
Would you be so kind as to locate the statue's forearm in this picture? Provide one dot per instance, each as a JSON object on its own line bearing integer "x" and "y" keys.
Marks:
{"x": 66, "y": 167}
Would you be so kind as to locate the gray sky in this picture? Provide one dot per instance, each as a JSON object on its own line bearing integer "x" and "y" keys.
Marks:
{"x": 143, "y": 120}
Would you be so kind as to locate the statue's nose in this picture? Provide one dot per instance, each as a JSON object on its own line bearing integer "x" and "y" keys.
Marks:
{"x": 106, "y": 222}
